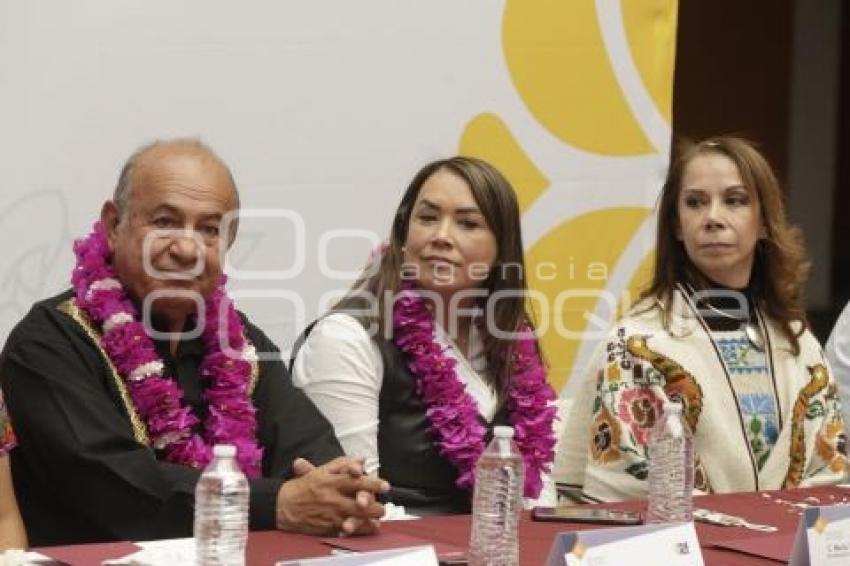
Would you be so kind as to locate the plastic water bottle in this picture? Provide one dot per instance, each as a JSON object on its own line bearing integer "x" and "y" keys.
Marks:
{"x": 221, "y": 511}
{"x": 497, "y": 502}
{"x": 671, "y": 468}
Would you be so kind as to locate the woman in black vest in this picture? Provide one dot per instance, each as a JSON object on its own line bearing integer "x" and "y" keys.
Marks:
{"x": 433, "y": 346}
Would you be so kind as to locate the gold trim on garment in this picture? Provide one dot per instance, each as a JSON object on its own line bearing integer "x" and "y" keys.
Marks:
{"x": 678, "y": 381}
{"x": 255, "y": 377}
{"x": 255, "y": 374}
{"x": 819, "y": 381}
{"x": 140, "y": 431}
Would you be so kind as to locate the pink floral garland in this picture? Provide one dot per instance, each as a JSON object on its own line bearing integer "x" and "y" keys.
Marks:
{"x": 158, "y": 399}
{"x": 453, "y": 413}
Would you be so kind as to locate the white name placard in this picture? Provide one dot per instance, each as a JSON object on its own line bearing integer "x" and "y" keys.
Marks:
{"x": 823, "y": 537}
{"x": 416, "y": 556}
{"x": 672, "y": 544}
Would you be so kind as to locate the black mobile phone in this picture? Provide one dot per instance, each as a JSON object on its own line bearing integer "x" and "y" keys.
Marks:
{"x": 581, "y": 514}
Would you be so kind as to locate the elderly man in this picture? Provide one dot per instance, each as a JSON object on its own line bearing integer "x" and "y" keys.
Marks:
{"x": 119, "y": 388}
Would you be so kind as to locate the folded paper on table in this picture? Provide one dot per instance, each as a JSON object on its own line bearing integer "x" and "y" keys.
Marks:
{"x": 385, "y": 541}
{"x": 415, "y": 556}
{"x": 163, "y": 552}
{"x": 671, "y": 544}
{"x": 774, "y": 546}
{"x": 88, "y": 554}
{"x": 823, "y": 537}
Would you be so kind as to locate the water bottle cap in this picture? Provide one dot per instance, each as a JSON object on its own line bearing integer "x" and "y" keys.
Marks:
{"x": 224, "y": 451}
{"x": 503, "y": 432}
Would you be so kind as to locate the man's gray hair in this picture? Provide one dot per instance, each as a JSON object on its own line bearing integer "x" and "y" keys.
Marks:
{"x": 123, "y": 190}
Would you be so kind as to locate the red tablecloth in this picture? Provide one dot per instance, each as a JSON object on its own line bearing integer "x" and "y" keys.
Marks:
{"x": 774, "y": 508}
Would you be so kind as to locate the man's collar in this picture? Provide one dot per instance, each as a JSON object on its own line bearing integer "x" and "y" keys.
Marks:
{"x": 185, "y": 347}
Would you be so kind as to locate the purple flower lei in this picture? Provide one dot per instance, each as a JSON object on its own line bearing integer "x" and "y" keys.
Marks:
{"x": 157, "y": 398}
{"x": 453, "y": 413}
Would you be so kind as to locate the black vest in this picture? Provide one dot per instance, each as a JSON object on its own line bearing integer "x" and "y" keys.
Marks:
{"x": 421, "y": 479}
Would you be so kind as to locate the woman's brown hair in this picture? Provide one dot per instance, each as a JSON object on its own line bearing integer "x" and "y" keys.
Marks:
{"x": 780, "y": 267}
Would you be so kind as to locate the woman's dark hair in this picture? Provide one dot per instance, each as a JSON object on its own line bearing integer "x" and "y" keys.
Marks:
{"x": 497, "y": 201}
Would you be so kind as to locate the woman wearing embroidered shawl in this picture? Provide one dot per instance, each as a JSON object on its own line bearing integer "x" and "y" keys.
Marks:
{"x": 433, "y": 346}
{"x": 721, "y": 330}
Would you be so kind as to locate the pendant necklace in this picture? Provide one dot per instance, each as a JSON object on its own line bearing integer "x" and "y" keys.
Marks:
{"x": 751, "y": 328}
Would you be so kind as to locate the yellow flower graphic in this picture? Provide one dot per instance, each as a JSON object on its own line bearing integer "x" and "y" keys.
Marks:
{"x": 594, "y": 81}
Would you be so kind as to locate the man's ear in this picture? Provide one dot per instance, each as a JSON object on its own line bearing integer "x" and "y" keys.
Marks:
{"x": 110, "y": 217}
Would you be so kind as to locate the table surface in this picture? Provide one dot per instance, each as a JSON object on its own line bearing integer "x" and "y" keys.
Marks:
{"x": 781, "y": 509}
